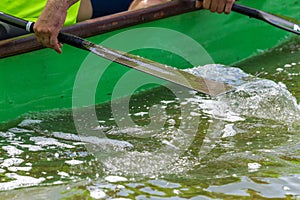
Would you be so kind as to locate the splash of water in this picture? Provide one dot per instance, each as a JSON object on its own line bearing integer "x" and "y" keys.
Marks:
{"x": 253, "y": 97}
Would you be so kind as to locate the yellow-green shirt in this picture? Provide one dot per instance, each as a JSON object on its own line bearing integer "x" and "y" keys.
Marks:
{"x": 31, "y": 9}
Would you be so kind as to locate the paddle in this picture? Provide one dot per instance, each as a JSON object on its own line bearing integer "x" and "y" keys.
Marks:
{"x": 159, "y": 70}
{"x": 282, "y": 22}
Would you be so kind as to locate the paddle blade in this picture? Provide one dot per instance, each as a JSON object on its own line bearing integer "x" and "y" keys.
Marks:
{"x": 279, "y": 21}
{"x": 285, "y": 23}
{"x": 165, "y": 72}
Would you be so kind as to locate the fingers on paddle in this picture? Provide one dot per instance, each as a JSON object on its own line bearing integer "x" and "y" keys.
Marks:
{"x": 215, "y": 5}
{"x": 219, "y": 6}
{"x": 198, "y": 4}
{"x": 206, "y": 4}
{"x": 48, "y": 38}
{"x": 228, "y": 6}
{"x": 54, "y": 44}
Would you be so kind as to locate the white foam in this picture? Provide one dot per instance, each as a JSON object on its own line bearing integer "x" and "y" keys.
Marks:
{"x": 28, "y": 122}
{"x": 253, "y": 167}
{"x": 221, "y": 73}
{"x": 58, "y": 182}
{"x": 7, "y": 134}
{"x": 287, "y": 65}
{"x": 167, "y": 102}
{"x": 140, "y": 113}
{"x": 20, "y": 130}
{"x": 12, "y": 162}
{"x": 63, "y": 174}
{"x": 220, "y": 110}
{"x": 43, "y": 141}
{"x": 104, "y": 143}
{"x": 12, "y": 150}
{"x": 115, "y": 179}
{"x": 73, "y": 162}
{"x": 31, "y": 147}
{"x": 229, "y": 131}
{"x": 21, "y": 181}
{"x": 96, "y": 193}
{"x": 15, "y": 169}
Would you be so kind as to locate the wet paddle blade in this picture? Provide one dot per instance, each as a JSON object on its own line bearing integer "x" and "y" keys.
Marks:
{"x": 165, "y": 72}
{"x": 279, "y": 21}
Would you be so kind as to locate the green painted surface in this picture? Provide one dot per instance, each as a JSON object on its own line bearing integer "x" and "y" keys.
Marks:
{"x": 43, "y": 80}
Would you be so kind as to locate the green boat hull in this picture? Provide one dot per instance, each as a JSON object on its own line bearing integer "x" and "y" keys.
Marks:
{"x": 42, "y": 80}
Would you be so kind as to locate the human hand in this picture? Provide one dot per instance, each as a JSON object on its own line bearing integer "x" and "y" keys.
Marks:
{"x": 49, "y": 24}
{"x": 219, "y": 6}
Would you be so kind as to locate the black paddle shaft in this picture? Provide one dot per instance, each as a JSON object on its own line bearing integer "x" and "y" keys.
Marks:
{"x": 62, "y": 37}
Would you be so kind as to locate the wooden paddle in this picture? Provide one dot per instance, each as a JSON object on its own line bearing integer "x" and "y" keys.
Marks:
{"x": 159, "y": 70}
{"x": 285, "y": 23}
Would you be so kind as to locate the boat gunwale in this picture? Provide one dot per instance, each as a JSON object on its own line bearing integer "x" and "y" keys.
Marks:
{"x": 27, "y": 43}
